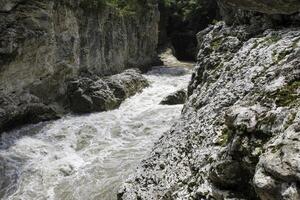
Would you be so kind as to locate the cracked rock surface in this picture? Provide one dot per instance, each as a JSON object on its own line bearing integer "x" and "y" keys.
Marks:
{"x": 238, "y": 136}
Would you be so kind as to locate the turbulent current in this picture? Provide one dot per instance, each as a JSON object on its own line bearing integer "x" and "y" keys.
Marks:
{"x": 88, "y": 157}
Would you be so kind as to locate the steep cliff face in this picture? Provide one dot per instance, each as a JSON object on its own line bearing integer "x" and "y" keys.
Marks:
{"x": 42, "y": 40}
{"x": 45, "y": 43}
{"x": 238, "y": 136}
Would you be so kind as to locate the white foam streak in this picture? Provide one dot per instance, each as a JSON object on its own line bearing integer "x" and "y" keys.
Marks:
{"x": 88, "y": 157}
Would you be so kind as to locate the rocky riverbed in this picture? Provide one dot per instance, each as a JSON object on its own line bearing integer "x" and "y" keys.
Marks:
{"x": 88, "y": 156}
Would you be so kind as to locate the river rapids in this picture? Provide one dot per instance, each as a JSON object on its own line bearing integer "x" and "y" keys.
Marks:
{"x": 89, "y": 156}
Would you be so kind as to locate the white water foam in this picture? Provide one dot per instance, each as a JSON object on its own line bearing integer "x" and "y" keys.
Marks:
{"x": 88, "y": 157}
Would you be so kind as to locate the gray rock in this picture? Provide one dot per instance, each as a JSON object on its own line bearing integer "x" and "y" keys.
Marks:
{"x": 238, "y": 134}
{"x": 266, "y": 6}
{"x": 277, "y": 174}
{"x": 178, "y": 97}
{"x": 2, "y": 172}
{"x": 45, "y": 44}
{"x": 87, "y": 95}
{"x": 19, "y": 110}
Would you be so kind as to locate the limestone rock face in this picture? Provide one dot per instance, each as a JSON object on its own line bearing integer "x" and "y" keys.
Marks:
{"x": 44, "y": 44}
{"x": 178, "y": 97}
{"x": 238, "y": 136}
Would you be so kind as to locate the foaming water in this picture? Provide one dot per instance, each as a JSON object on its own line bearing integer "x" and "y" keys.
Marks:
{"x": 88, "y": 157}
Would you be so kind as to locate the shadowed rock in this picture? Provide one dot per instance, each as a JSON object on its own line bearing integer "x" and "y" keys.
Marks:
{"x": 15, "y": 111}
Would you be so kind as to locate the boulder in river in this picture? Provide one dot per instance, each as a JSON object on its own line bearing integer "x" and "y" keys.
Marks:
{"x": 127, "y": 83}
{"x": 178, "y": 97}
{"x": 87, "y": 95}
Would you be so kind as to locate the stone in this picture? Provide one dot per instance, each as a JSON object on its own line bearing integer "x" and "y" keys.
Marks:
{"x": 127, "y": 83}
{"x": 87, "y": 95}
{"x": 42, "y": 50}
{"x": 19, "y": 110}
{"x": 227, "y": 174}
{"x": 178, "y": 97}
{"x": 266, "y": 6}
{"x": 238, "y": 135}
{"x": 180, "y": 21}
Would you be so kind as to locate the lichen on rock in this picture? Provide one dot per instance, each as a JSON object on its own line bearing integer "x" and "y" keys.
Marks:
{"x": 237, "y": 136}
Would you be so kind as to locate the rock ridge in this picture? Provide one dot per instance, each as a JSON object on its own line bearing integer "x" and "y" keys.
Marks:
{"x": 237, "y": 137}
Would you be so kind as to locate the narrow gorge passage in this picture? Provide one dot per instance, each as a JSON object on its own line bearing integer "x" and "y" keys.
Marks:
{"x": 88, "y": 157}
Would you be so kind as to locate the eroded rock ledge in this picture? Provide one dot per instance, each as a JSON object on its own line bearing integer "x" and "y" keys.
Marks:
{"x": 238, "y": 136}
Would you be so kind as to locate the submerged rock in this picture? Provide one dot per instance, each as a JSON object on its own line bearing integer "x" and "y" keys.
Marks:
{"x": 178, "y": 97}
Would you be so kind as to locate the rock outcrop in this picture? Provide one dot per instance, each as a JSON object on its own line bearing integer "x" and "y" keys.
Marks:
{"x": 44, "y": 44}
{"x": 16, "y": 110}
{"x": 178, "y": 97}
{"x": 238, "y": 136}
{"x": 95, "y": 95}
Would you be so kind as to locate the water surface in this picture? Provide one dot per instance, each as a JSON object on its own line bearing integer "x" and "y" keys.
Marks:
{"x": 88, "y": 157}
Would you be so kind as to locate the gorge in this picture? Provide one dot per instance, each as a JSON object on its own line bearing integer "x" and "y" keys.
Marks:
{"x": 84, "y": 99}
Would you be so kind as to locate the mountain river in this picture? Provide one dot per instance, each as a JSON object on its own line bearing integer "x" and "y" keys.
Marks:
{"x": 88, "y": 157}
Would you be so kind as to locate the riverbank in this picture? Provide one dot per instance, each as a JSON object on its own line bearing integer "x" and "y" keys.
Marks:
{"x": 89, "y": 156}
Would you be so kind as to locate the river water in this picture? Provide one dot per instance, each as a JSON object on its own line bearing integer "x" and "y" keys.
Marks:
{"x": 88, "y": 157}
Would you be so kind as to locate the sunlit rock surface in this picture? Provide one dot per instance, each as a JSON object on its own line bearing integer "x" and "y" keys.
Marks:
{"x": 238, "y": 136}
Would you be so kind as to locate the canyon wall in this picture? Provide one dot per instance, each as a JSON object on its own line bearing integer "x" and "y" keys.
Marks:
{"x": 45, "y": 43}
{"x": 238, "y": 136}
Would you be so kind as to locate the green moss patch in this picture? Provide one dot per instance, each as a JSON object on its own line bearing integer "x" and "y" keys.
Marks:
{"x": 216, "y": 43}
{"x": 272, "y": 39}
{"x": 288, "y": 95}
